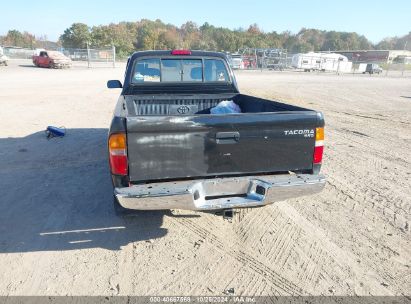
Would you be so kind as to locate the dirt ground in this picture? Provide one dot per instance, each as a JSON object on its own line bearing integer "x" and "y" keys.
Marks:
{"x": 60, "y": 236}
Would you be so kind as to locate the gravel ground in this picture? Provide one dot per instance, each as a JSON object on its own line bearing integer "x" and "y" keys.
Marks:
{"x": 59, "y": 234}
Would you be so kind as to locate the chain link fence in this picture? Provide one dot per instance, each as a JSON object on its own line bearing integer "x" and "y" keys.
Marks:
{"x": 92, "y": 56}
{"x": 280, "y": 59}
{"x": 253, "y": 59}
{"x": 18, "y": 53}
{"x": 397, "y": 69}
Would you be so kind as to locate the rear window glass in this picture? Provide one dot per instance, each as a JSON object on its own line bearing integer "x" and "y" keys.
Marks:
{"x": 192, "y": 69}
{"x": 214, "y": 70}
{"x": 180, "y": 70}
{"x": 147, "y": 70}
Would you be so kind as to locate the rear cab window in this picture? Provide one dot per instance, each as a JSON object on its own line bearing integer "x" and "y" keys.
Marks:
{"x": 166, "y": 70}
{"x": 147, "y": 70}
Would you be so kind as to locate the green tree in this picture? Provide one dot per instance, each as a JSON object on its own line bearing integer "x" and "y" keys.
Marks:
{"x": 190, "y": 35}
{"x": 76, "y": 36}
{"x": 403, "y": 42}
{"x": 16, "y": 38}
{"x": 147, "y": 34}
{"x": 120, "y": 35}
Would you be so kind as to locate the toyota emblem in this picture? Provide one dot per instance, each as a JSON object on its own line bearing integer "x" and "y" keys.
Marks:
{"x": 183, "y": 110}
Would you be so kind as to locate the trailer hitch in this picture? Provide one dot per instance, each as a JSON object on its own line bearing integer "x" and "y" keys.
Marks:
{"x": 227, "y": 214}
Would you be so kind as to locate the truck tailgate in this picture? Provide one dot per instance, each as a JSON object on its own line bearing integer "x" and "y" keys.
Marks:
{"x": 174, "y": 147}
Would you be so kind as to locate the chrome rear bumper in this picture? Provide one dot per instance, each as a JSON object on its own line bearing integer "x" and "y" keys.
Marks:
{"x": 219, "y": 193}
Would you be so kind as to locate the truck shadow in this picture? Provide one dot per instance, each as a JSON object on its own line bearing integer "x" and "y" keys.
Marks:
{"x": 57, "y": 195}
{"x": 27, "y": 66}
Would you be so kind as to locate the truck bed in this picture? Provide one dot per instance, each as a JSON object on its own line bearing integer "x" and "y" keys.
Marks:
{"x": 176, "y": 137}
{"x": 163, "y": 105}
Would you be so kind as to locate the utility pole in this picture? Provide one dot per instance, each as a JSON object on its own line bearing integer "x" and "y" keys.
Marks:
{"x": 403, "y": 64}
{"x": 88, "y": 55}
{"x": 114, "y": 55}
{"x": 356, "y": 62}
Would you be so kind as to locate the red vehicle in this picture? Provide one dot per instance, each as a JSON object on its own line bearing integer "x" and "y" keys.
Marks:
{"x": 249, "y": 62}
{"x": 51, "y": 59}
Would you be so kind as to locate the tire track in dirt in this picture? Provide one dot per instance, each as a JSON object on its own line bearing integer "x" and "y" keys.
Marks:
{"x": 373, "y": 235}
{"x": 370, "y": 175}
{"x": 392, "y": 205}
{"x": 291, "y": 249}
{"x": 380, "y": 118}
{"x": 376, "y": 159}
{"x": 372, "y": 248}
{"x": 248, "y": 261}
{"x": 340, "y": 265}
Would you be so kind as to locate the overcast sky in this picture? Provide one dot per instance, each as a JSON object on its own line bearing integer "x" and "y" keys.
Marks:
{"x": 374, "y": 19}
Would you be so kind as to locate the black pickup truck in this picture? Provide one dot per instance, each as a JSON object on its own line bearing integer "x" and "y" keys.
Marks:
{"x": 169, "y": 150}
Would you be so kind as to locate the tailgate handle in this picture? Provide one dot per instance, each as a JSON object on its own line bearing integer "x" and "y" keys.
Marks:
{"x": 227, "y": 137}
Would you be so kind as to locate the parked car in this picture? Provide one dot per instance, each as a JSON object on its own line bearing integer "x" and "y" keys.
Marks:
{"x": 168, "y": 151}
{"x": 249, "y": 62}
{"x": 237, "y": 61}
{"x": 3, "y": 58}
{"x": 373, "y": 68}
{"x": 51, "y": 59}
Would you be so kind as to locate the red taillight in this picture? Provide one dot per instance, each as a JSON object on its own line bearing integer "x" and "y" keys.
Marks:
{"x": 180, "y": 52}
{"x": 117, "y": 146}
{"x": 318, "y": 154}
{"x": 319, "y": 146}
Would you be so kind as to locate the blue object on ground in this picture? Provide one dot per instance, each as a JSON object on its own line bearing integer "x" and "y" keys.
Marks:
{"x": 55, "y": 132}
